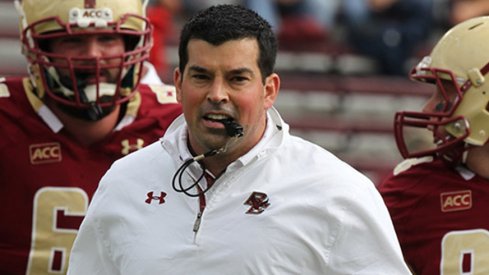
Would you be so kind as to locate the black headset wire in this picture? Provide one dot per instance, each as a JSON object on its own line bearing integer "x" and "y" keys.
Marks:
{"x": 235, "y": 131}
{"x": 181, "y": 170}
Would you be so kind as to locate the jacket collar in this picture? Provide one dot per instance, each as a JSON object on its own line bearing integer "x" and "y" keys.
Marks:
{"x": 175, "y": 140}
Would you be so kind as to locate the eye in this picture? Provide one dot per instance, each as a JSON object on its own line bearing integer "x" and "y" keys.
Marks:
{"x": 68, "y": 40}
{"x": 442, "y": 107}
{"x": 108, "y": 38}
{"x": 239, "y": 79}
{"x": 439, "y": 107}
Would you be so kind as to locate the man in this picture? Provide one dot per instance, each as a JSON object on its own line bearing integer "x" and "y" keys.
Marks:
{"x": 439, "y": 196}
{"x": 227, "y": 190}
{"x": 81, "y": 109}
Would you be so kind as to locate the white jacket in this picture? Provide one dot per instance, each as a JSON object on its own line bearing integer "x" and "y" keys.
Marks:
{"x": 314, "y": 214}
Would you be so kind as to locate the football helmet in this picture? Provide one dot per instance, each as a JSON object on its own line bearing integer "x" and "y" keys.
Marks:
{"x": 42, "y": 20}
{"x": 458, "y": 65}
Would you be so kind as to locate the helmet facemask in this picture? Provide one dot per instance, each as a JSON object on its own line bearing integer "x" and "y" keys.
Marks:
{"x": 431, "y": 132}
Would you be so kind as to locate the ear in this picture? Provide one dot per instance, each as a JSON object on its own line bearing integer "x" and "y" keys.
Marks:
{"x": 271, "y": 89}
{"x": 177, "y": 81}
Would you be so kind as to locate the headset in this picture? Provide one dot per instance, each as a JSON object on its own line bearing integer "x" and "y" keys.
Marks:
{"x": 233, "y": 130}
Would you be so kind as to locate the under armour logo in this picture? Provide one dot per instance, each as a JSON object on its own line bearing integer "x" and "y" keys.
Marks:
{"x": 258, "y": 202}
{"x": 152, "y": 197}
{"x": 128, "y": 148}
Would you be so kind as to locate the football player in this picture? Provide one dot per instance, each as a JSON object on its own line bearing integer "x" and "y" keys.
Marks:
{"x": 438, "y": 196}
{"x": 81, "y": 108}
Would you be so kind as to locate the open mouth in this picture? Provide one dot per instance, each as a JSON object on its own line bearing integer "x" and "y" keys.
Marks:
{"x": 215, "y": 120}
{"x": 89, "y": 78}
{"x": 216, "y": 117}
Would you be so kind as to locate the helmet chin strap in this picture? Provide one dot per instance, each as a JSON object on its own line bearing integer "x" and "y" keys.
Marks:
{"x": 88, "y": 95}
{"x": 456, "y": 155}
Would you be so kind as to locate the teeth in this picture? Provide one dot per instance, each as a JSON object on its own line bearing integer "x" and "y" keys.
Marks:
{"x": 216, "y": 116}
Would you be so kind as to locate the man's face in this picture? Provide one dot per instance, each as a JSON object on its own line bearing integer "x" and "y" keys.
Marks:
{"x": 86, "y": 49}
{"x": 220, "y": 82}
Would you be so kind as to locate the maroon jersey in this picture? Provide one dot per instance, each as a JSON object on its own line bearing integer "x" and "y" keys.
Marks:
{"x": 441, "y": 218}
{"x": 47, "y": 179}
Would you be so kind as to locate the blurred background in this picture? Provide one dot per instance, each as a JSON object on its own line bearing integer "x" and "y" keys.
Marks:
{"x": 344, "y": 64}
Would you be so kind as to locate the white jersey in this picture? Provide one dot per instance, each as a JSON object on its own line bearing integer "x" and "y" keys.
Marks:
{"x": 286, "y": 207}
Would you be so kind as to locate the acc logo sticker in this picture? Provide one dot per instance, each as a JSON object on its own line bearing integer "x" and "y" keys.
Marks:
{"x": 45, "y": 153}
{"x": 456, "y": 201}
{"x": 84, "y": 18}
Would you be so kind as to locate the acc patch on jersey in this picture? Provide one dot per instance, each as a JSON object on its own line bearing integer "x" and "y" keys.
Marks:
{"x": 45, "y": 153}
{"x": 456, "y": 201}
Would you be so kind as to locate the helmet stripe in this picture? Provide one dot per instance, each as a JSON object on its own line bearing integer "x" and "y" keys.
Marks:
{"x": 90, "y": 4}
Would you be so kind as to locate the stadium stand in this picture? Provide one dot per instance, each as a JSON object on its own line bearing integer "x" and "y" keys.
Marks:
{"x": 11, "y": 60}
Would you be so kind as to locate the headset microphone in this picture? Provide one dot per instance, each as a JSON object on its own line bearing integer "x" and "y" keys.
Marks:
{"x": 233, "y": 129}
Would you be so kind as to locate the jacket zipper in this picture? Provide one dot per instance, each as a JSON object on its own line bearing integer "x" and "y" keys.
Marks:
{"x": 201, "y": 210}
{"x": 197, "y": 222}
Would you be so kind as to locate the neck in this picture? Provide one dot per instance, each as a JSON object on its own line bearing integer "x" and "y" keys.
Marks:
{"x": 217, "y": 164}
{"x": 87, "y": 132}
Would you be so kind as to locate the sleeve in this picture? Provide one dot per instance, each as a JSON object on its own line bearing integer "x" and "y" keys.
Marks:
{"x": 366, "y": 242}
{"x": 91, "y": 252}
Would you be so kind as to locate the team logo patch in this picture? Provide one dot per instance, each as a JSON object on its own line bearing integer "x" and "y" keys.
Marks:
{"x": 151, "y": 197}
{"x": 128, "y": 147}
{"x": 456, "y": 201}
{"x": 86, "y": 17}
{"x": 258, "y": 202}
{"x": 45, "y": 153}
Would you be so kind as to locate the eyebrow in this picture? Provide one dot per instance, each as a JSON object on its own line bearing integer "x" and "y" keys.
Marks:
{"x": 199, "y": 69}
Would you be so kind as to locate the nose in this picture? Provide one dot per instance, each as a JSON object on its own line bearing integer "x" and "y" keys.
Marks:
{"x": 218, "y": 92}
{"x": 91, "y": 47}
{"x": 428, "y": 106}
{"x": 435, "y": 103}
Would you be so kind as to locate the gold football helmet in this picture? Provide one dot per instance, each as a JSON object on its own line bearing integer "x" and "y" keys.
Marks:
{"x": 42, "y": 20}
{"x": 458, "y": 65}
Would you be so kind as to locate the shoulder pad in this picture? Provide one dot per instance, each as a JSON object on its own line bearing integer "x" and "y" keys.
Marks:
{"x": 4, "y": 91}
{"x": 408, "y": 163}
{"x": 164, "y": 93}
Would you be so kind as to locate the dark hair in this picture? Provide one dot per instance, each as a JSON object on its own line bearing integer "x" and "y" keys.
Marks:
{"x": 222, "y": 23}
